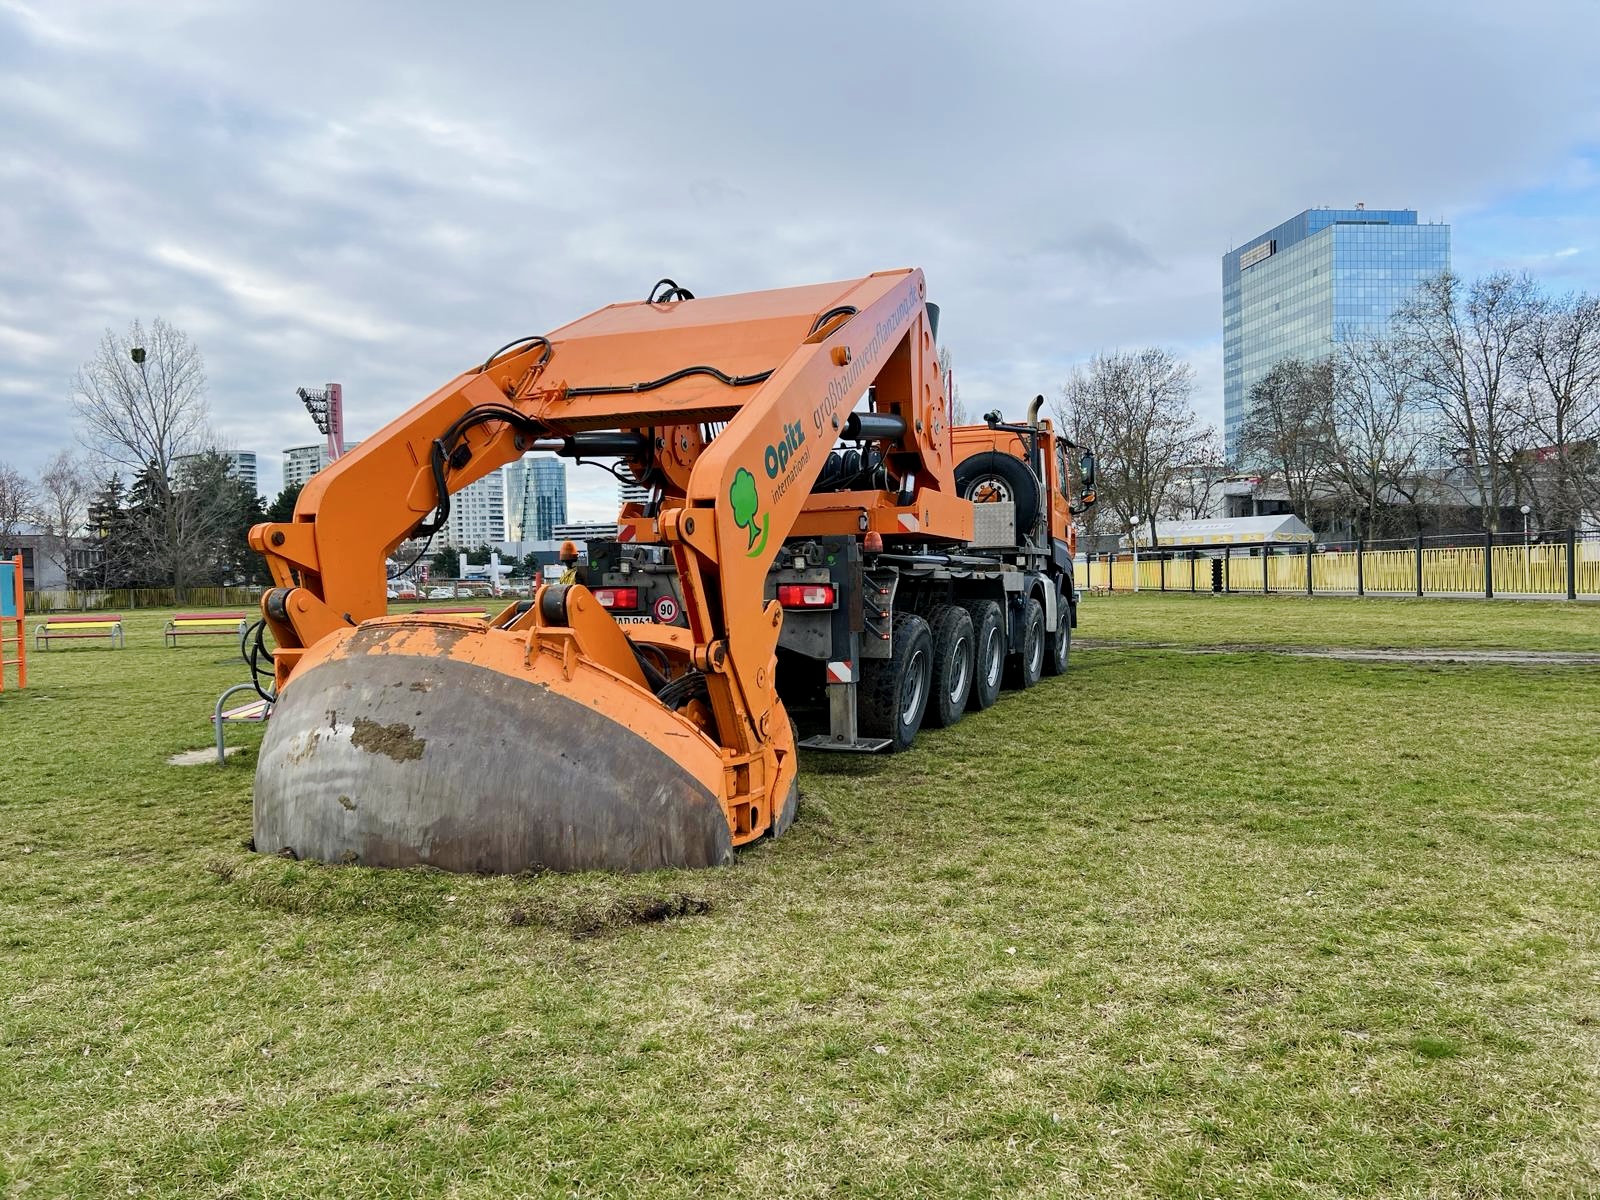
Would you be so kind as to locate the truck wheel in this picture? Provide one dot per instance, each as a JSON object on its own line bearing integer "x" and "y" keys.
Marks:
{"x": 989, "y": 652}
{"x": 894, "y": 691}
{"x": 952, "y": 664}
{"x": 1058, "y": 645}
{"x": 990, "y": 475}
{"x": 1027, "y": 664}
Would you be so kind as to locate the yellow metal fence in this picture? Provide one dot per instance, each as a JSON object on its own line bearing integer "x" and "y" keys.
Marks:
{"x": 1517, "y": 570}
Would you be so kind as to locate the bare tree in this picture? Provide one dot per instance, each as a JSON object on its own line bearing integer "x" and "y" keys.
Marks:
{"x": 1196, "y": 484}
{"x": 958, "y": 410}
{"x": 141, "y": 402}
{"x": 17, "y": 501}
{"x": 1287, "y": 428}
{"x": 149, "y": 413}
{"x": 65, "y": 489}
{"x": 1376, "y": 439}
{"x": 1461, "y": 345}
{"x": 1558, "y": 359}
{"x": 1133, "y": 408}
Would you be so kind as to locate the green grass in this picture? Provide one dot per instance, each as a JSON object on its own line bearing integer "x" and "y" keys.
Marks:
{"x": 1176, "y": 925}
{"x": 1289, "y": 620}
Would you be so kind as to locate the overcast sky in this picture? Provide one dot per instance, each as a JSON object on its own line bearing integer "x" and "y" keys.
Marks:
{"x": 380, "y": 194}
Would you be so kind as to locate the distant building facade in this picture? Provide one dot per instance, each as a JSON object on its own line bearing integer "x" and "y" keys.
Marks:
{"x": 536, "y": 497}
{"x": 1321, "y": 277}
{"x": 241, "y": 465}
{"x": 300, "y": 463}
{"x": 477, "y": 514}
{"x": 584, "y": 531}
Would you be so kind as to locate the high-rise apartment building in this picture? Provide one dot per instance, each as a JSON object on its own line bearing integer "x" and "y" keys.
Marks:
{"x": 241, "y": 465}
{"x": 477, "y": 514}
{"x": 536, "y": 497}
{"x": 1321, "y": 277}
{"x": 300, "y": 463}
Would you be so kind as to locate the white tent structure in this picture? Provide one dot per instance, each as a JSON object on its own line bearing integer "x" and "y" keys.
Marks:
{"x": 1284, "y": 529}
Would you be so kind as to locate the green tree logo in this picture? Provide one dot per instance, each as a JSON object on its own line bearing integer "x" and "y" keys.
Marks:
{"x": 747, "y": 509}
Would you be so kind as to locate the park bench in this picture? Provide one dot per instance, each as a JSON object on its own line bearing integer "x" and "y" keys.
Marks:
{"x": 230, "y": 624}
{"x": 95, "y": 625}
{"x": 253, "y": 711}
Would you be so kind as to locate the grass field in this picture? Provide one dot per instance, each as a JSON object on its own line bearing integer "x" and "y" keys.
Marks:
{"x": 1348, "y": 622}
{"x": 1175, "y": 925}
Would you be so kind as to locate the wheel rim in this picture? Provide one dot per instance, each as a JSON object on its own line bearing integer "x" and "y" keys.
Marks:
{"x": 1036, "y": 659}
{"x": 991, "y": 656}
{"x": 916, "y": 683}
{"x": 989, "y": 489}
{"x": 958, "y": 686}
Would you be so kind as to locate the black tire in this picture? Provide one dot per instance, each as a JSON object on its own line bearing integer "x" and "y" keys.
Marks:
{"x": 894, "y": 691}
{"x": 1058, "y": 645}
{"x": 1025, "y": 666}
{"x": 952, "y": 664}
{"x": 991, "y": 467}
{"x": 989, "y": 652}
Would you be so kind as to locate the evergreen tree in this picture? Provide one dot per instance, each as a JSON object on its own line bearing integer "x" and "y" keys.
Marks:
{"x": 282, "y": 508}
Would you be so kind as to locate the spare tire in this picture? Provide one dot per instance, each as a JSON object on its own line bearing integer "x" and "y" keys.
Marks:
{"x": 990, "y": 475}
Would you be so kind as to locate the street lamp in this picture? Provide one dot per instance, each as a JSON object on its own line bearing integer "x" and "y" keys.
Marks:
{"x": 1133, "y": 542}
{"x": 1526, "y": 550}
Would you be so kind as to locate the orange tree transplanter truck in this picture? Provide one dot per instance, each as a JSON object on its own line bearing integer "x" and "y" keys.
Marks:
{"x": 819, "y": 546}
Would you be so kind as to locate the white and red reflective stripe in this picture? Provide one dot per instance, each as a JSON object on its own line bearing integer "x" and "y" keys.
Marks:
{"x": 625, "y": 533}
{"x": 909, "y": 523}
{"x": 841, "y": 672}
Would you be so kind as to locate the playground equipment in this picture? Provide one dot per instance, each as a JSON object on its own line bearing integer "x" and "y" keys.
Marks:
{"x": 13, "y": 641}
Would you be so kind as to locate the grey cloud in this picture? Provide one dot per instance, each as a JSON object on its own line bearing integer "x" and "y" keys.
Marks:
{"x": 378, "y": 193}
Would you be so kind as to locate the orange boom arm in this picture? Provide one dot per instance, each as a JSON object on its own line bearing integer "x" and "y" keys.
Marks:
{"x": 730, "y": 405}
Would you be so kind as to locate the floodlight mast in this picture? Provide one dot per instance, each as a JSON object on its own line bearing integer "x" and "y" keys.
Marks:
{"x": 326, "y": 407}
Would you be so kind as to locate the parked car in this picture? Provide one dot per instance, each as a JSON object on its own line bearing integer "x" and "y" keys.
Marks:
{"x": 442, "y": 593}
{"x": 405, "y": 590}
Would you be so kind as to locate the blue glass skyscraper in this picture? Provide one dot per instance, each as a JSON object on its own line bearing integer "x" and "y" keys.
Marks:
{"x": 536, "y": 497}
{"x": 1320, "y": 277}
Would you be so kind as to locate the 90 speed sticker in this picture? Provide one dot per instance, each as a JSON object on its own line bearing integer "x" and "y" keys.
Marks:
{"x": 666, "y": 610}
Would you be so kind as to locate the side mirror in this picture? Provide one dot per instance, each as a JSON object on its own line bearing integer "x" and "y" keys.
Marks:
{"x": 1086, "y": 470}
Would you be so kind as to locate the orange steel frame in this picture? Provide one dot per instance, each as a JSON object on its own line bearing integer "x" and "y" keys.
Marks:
{"x": 821, "y": 358}
{"x": 18, "y": 636}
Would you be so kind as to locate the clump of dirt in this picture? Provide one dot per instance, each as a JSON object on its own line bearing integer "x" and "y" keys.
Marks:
{"x": 623, "y": 911}
{"x": 598, "y": 916}
{"x": 398, "y": 741}
{"x": 222, "y": 869}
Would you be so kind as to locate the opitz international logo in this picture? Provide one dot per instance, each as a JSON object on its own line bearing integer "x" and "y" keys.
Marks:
{"x": 747, "y": 512}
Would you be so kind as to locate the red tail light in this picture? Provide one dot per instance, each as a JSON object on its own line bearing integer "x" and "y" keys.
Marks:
{"x": 625, "y": 598}
{"x": 806, "y": 595}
